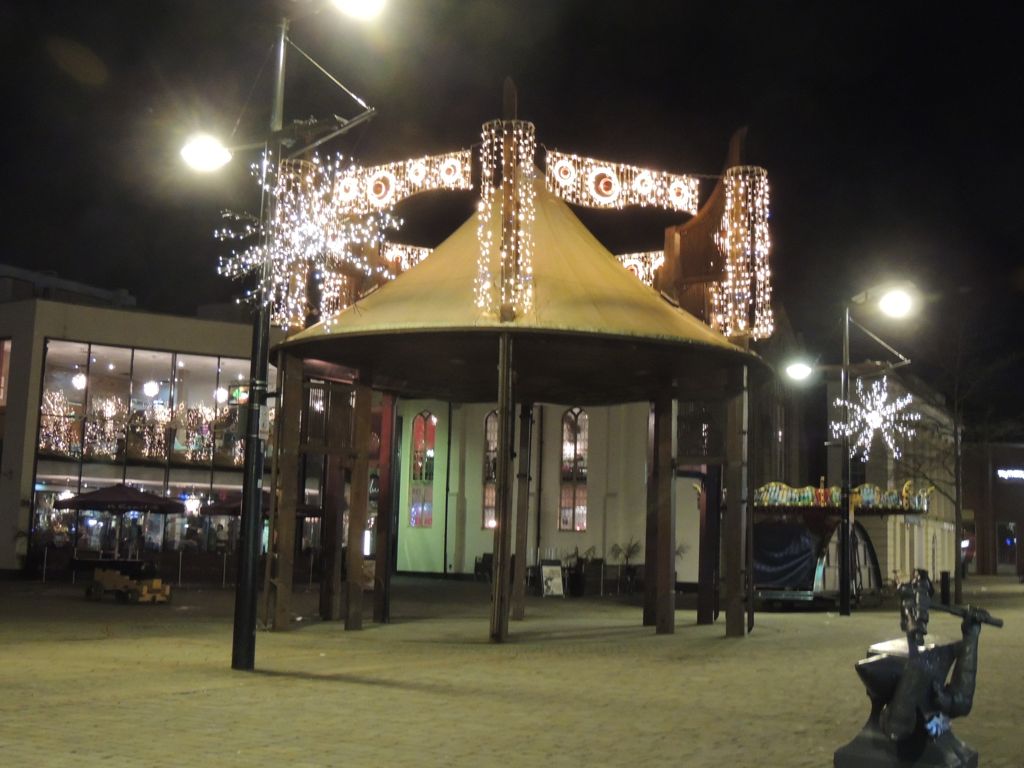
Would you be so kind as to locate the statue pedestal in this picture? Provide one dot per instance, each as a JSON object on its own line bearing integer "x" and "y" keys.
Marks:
{"x": 881, "y": 673}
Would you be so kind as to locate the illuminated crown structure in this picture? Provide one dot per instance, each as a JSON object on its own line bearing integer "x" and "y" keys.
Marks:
{"x": 326, "y": 232}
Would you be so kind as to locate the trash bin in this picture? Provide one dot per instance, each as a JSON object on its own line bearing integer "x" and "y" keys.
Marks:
{"x": 944, "y": 581}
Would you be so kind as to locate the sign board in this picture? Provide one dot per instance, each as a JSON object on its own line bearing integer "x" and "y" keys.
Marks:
{"x": 551, "y": 578}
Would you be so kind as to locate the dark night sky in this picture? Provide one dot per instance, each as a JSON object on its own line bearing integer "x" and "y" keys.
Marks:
{"x": 890, "y": 132}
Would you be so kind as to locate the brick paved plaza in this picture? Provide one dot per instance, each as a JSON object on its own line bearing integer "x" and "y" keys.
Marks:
{"x": 581, "y": 684}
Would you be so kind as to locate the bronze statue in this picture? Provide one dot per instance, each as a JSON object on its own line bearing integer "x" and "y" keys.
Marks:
{"x": 912, "y": 703}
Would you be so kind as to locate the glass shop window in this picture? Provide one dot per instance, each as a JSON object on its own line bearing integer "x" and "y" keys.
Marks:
{"x": 65, "y": 380}
{"x": 149, "y": 416}
{"x": 109, "y": 392}
{"x": 232, "y": 396}
{"x": 197, "y": 401}
{"x": 490, "y": 487}
{"x": 573, "y": 487}
{"x": 421, "y": 485}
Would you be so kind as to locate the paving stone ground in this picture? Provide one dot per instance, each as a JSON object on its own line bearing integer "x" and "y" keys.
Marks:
{"x": 581, "y": 683}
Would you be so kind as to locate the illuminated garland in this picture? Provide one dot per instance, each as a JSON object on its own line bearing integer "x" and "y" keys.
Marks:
{"x": 872, "y": 411}
{"x": 643, "y": 264}
{"x": 380, "y": 187}
{"x": 105, "y": 425}
{"x": 509, "y": 283}
{"x": 601, "y": 184}
{"x": 404, "y": 257}
{"x": 195, "y": 427}
{"x": 742, "y": 300}
{"x": 57, "y": 425}
{"x": 309, "y": 237}
{"x": 149, "y": 427}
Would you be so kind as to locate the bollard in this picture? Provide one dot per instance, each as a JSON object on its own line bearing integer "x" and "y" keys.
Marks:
{"x": 944, "y": 588}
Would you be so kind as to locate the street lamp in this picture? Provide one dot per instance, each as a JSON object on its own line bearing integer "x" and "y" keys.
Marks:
{"x": 896, "y": 301}
{"x": 206, "y": 153}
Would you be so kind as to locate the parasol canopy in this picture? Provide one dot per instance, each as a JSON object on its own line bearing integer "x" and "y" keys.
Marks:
{"x": 119, "y": 499}
{"x": 594, "y": 334}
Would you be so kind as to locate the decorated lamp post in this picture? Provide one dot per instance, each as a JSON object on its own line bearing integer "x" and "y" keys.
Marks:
{"x": 870, "y": 414}
{"x": 205, "y": 153}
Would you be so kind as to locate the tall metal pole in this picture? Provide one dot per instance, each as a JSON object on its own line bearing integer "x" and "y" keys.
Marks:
{"x": 243, "y": 644}
{"x": 845, "y": 502}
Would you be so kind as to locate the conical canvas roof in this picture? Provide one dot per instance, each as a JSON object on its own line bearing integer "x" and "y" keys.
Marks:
{"x": 595, "y": 333}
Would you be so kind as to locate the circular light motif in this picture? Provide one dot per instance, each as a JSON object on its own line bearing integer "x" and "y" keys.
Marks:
{"x": 220, "y": 395}
{"x": 451, "y": 170}
{"x": 565, "y": 172}
{"x": 643, "y": 184}
{"x": 381, "y": 188}
{"x": 679, "y": 193}
{"x": 417, "y": 172}
{"x": 348, "y": 188}
{"x": 150, "y": 389}
{"x": 603, "y": 183}
{"x": 78, "y": 381}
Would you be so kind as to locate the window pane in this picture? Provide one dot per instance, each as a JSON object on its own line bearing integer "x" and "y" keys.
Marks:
{"x": 195, "y": 407}
{"x": 232, "y": 396}
{"x": 63, "y": 405}
{"x": 490, "y": 490}
{"x": 573, "y": 492}
{"x": 150, "y": 410}
{"x": 109, "y": 392}
{"x": 421, "y": 490}
{"x": 5, "y": 370}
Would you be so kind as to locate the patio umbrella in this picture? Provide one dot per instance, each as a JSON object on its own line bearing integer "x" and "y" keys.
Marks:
{"x": 120, "y": 499}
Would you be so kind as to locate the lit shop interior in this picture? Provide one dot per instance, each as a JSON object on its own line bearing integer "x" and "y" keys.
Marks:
{"x": 164, "y": 422}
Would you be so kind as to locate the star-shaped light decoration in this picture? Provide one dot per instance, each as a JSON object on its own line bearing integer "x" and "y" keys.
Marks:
{"x": 872, "y": 411}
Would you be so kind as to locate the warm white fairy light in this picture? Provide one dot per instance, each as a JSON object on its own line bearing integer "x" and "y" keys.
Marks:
{"x": 872, "y": 412}
{"x": 104, "y": 426}
{"x": 507, "y": 284}
{"x": 58, "y": 431}
{"x": 361, "y": 190}
{"x": 601, "y": 184}
{"x": 311, "y": 238}
{"x": 643, "y": 264}
{"x": 403, "y": 257}
{"x": 741, "y": 301}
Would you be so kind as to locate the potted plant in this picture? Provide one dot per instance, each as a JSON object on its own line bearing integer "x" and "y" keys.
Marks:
{"x": 626, "y": 552}
{"x": 576, "y": 563}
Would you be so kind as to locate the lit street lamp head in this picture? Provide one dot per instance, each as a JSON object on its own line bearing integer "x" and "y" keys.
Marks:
{"x": 364, "y": 10}
{"x": 896, "y": 303}
{"x": 798, "y": 371}
{"x": 205, "y": 153}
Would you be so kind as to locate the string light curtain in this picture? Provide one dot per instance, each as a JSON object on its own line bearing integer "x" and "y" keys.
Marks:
{"x": 741, "y": 301}
{"x": 504, "y": 270}
{"x": 602, "y": 184}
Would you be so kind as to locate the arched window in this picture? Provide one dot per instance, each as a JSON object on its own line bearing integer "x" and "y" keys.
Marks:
{"x": 421, "y": 480}
{"x": 572, "y": 514}
{"x": 490, "y": 487}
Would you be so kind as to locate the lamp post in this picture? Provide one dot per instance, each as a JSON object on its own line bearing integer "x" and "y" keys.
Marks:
{"x": 896, "y": 303}
{"x": 205, "y": 153}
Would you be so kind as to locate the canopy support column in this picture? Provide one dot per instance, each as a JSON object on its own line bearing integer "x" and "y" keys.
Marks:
{"x": 737, "y": 511}
{"x": 281, "y": 549}
{"x": 522, "y": 510}
{"x": 359, "y": 504}
{"x": 338, "y": 462}
{"x": 503, "y": 494}
{"x": 385, "y": 513}
{"x": 665, "y": 552}
{"x": 651, "y": 522}
{"x": 710, "y": 545}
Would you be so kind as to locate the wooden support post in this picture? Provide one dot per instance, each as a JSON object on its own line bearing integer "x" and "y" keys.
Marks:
{"x": 359, "y": 505}
{"x": 710, "y": 546}
{"x": 665, "y": 553}
{"x": 503, "y": 494}
{"x": 339, "y": 446}
{"x": 331, "y": 539}
{"x": 522, "y": 510}
{"x": 385, "y": 514}
{"x": 735, "y": 524}
{"x": 281, "y": 553}
{"x": 651, "y": 528}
